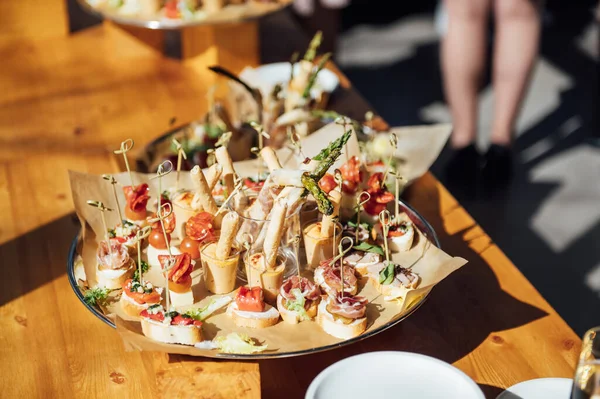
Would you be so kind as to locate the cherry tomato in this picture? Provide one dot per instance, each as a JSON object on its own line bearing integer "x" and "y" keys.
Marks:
{"x": 179, "y": 320}
{"x": 157, "y": 239}
{"x": 190, "y": 246}
{"x": 250, "y": 299}
{"x": 158, "y": 316}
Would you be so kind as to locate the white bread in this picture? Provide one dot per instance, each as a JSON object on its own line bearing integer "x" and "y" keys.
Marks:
{"x": 293, "y": 317}
{"x": 404, "y": 242}
{"x": 169, "y": 334}
{"x": 395, "y": 290}
{"x": 363, "y": 261}
{"x": 130, "y": 306}
{"x": 268, "y": 317}
{"x": 339, "y": 329}
{"x": 114, "y": 279}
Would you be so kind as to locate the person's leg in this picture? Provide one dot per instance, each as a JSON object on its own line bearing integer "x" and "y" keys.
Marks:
{"x": 463, "y": 54}
{"x": 517, "y": 36}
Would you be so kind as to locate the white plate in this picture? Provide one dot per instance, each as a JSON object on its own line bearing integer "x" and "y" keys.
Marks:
{"x": 266, "y": 76}
{"x": 381, "y": 375}
{"x": 541, "y": 388}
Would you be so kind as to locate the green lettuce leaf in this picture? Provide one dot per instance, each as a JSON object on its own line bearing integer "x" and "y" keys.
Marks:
{"x": 238, "y": 343}
{"x": 386, "y": 276}
{"x": 366, "y": 247}
{"x": 297, "y": 305}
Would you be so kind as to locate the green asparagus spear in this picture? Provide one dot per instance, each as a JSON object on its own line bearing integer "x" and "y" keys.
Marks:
{"x": 336, "y": 144}
{"x": 313, "y": 77}
{"x": 312, "y": 185}
{"x": 311, "y": 53}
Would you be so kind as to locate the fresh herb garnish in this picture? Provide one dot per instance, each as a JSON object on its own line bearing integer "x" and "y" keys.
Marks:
{"x": 96, "y": 296}
{"x": 128, "y": 223}
{"x": 112, "y": 233}
{"x": 366, "y": 247}
{"x": 136, "y": 273}
{"x": 172, "y": 314}
{"x": 386, "y": 276}
{"x": 198, "y": 313}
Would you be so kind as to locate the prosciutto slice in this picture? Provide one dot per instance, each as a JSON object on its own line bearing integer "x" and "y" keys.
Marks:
{"x": 331, "y": 275}
{"x": 310, "y": 291}
{"x": 118, "y": 260}
{"x": 348, "y": 306}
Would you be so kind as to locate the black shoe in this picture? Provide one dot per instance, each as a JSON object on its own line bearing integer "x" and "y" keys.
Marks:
{"x": 497, "y": 170}
{"x": 462, "y": 171}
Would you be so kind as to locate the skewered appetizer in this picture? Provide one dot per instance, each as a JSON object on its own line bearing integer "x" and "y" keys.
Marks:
{"x": 250, "y": 310}
{"x": 198, "y": 231}
{"x": 320, "y": 237}
{"x": 124, "y": 233}
{"x": 343, "y": 316}
{"x": 157, "y": 245}
{"x": 137, "y": 198}
{"x": 114, "y": 265}
{"x": 400, "y": 236}
{"x": 298, "y": 300}
{"x": 137, "y": 297}
{"x": 328, "y": 277}
{"x": 393, "y": 280}
{"x": 170, "y": 327}
{"x": 180, "y": 278}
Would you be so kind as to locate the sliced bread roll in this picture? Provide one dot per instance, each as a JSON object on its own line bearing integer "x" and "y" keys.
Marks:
{"x": 114, "y": 278}
{"x": 170, "y": 334}
{"x": 268, "y": 317}
{"x": 337, "y": 328}
{"x": 293, "y": 317}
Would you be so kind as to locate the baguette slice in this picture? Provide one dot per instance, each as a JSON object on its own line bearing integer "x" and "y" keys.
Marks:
{"x": 339, "y": 329}
{"x": 293, "y": 317}
{"x": 114, "y": 279}
{"x": 131, "y": 307}
{"x": 268, "y": 317}
{"x": 169, "y": 334}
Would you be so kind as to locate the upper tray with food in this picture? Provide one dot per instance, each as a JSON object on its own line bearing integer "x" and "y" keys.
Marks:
{"x": 178, "y": 14}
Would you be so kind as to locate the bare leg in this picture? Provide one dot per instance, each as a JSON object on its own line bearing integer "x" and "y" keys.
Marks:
{"x": 463, "y": 61}
{"x": 516, "y": 48}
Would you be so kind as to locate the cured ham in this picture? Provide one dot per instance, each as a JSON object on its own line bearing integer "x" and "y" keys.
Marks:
{"x": 380, "y": 197}
{"x": 348, "y": 306}
{"x": 116, "y": 258}
{"x": 200, "y": 227}
{"x": 351, "y": 175}
{"x": 182, "y": 267}
{"x": 137, "y": 197}
{"x": 328, "y": 277}
{"x": 309, "y": 291}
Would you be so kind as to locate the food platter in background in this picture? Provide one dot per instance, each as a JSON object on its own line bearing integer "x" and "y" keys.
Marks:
{"x": 179, "y": 14}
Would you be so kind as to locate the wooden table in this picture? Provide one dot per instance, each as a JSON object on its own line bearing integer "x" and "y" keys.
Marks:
{"x": 64, "y": 105}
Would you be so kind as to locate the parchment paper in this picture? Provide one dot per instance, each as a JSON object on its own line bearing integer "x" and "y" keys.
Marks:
{"x": 429, "y": 262}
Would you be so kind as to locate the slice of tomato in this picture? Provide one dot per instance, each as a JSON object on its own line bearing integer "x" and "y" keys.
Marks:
{"x": 180, "y": 320}
{"x": 120, "y": 240}
{"x": 160, "y": 316}
{"x": 250, "y": 299}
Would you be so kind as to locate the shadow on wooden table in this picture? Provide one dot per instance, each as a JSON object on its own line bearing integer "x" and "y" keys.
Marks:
{"x": 36, "y": 258}
{"x": 490, "y": 391}
{"x": 459, "y": 315}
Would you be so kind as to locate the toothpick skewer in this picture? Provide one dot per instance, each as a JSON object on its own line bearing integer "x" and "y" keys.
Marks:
{"x": 341, "y": 258}
{"x": 180, "y": 154}
{"x": 397, "y": 202}
{"x": 296, "y": 243}
{"x": 256, "y": 151}
{"x": 125, "y": 147}
{"x": 394, "y": 144}
{"x": 342, "y": 120}
{"x": 248, "y": 240}
{"x": 102, "y": 208}
{"x": 384, "y": 218}
{"x": 113, "y": 183}
{"x": 237, "y": 188}
{"x": 359, "y": 205}
{"x": 139, "y": 237}
{"x": 337, "y": 176}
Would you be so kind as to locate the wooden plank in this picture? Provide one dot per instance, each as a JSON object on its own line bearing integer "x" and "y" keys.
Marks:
{"x": 31, "y": 20}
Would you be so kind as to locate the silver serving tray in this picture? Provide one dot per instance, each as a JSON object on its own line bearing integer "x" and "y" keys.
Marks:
{"x": 414, "y": 216}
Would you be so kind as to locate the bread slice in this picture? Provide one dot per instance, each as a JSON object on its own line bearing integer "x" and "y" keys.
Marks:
{"x": 268, "y": 317}
{"x": 114, "y": 279}
{"x": 339, "y": 329}
{"x": 293, "y": 317}
{"x": 131, "y": 307}
{"x": 169, "y": 334}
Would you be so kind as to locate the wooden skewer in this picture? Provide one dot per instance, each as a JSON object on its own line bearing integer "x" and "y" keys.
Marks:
{"x": 337, "y": 176}
{"x": 397, "y": 202}
{"x": 296, "y": 241}
{"x": 256, "y": 151}
{"x": 125, "y": 147}
{"x": 102, "y": 208}
{"x": 341, "y": 256}
{"x": 384, "y": 218}
{"x": 113, "y": 183}
{"x": 359, "y": 205}
{"x": 394, "y": 144}
{"x": 343, "y": 121}
{"x": 139, "y": 237}
{"x": 180, "y": 154}
{"x": 248, "y": 240}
